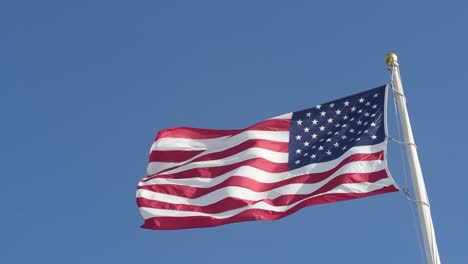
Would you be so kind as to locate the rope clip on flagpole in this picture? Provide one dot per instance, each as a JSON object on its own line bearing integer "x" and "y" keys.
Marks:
{"x": 424, "y": 212}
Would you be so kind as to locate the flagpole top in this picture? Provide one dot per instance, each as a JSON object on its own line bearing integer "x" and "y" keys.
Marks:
{"x": 391, "y": 58}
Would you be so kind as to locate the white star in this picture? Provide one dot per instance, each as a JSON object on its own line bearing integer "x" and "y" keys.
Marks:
{"x": 308, "y": 114}
{"x": 343, "y": 137}
{"x": 368, "y": 103}
{"x": 346, "y": 103}
{"x": 344, "y": 148}
{"x": 322, "y": 128}
{"x": 351, "y": 119}
{"x": 318, "y": 106}
{"x": 366, "y": 114}
{"x": 323, "y": 113}
{"x": 314, "y": 135}
{"x": 353, "y": 109}
{"x": 329, "y": 133}
{"x": 374, "y": 137}
{"x": 336, "y": 144}
{"x": 374, "y": 106}
{"x": 329, "y": 153}
{"x": 345, "y": 117}
{"x": 366, "y": 131}
{"x": 305, "y": 154}
{"x": 351, "y": 130}
{"x": 330, "y": 120}
{"x": 372, "y": 124}
{"x": 298, "y": 137}
{"x": 372, "y": 115}
{"x": 314, "y": 122}
{"x": 328, "y": 139}
{"x": 312, "y": 156}
{"x": 306, "y": 129}
{"x": 299, "y": 122}
{"x": 359, "y": 132}
{"x": 361, "y": 100}
{"x": 337, "y": 125}
{"x": 336, "y": 133}
{"x": 338, "y": 112}
{"x": 298, "y": 161}
{"x": 332, "y": 105}
{"x": 344, "y": 125}
{"x": 306, "y": 144}
{"x": 298, "y": 151}
{"x": 359, "y": 122}
{"x": 357, "y": 139}
{"x": 360, "y": 111}
{"x": 375, "y": 95}
{"x": 320, "y": 147}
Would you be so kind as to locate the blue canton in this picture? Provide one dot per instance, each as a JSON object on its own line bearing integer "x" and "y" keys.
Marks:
{"x": 327, "y": 131}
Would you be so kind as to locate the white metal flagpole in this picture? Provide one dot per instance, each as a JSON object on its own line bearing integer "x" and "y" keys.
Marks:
{"x": 422, "y": 201}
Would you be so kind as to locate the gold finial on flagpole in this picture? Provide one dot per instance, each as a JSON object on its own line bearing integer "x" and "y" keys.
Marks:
{"x": 390, "y": 58}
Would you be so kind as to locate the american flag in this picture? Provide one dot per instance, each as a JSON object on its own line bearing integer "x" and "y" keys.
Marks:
{"x": 203, "y": 177}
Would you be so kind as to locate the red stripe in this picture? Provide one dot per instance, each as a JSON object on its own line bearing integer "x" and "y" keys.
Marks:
{"x": 231, "y": 203}
{"x": 168, "y": 223}
{"x": 194, "y": 133}
{"x": 173, "y": 156}
{"x": 200, "y": 133}
{"x": 259, "y": 163}
{"x": 240, "y": 181}
{"x": 271, "y": 125}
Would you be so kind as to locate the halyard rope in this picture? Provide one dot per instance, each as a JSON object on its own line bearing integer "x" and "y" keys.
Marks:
{"x": 405, "y": 174}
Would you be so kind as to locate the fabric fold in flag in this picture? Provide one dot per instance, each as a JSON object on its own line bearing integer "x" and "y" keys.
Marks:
{"x": 332, "y": 152}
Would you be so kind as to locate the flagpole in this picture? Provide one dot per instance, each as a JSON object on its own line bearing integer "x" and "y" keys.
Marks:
{"x": 422, "y": 201}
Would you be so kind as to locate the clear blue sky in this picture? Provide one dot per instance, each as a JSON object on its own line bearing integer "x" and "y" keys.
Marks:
{"x": 86, "y": 85}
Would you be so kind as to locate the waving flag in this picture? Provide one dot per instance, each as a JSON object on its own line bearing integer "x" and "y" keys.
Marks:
{"x": 203, "y": 177}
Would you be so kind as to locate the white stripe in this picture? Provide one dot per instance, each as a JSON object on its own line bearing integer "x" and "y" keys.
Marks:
{"x": 210, "y": 145}
{"x": 251, "y": 153}
{"x": 203, "y": 144}
{"x": 360, "y": 188}
{"x": 263, "y": 176}
{"x": 247, "y": 194}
